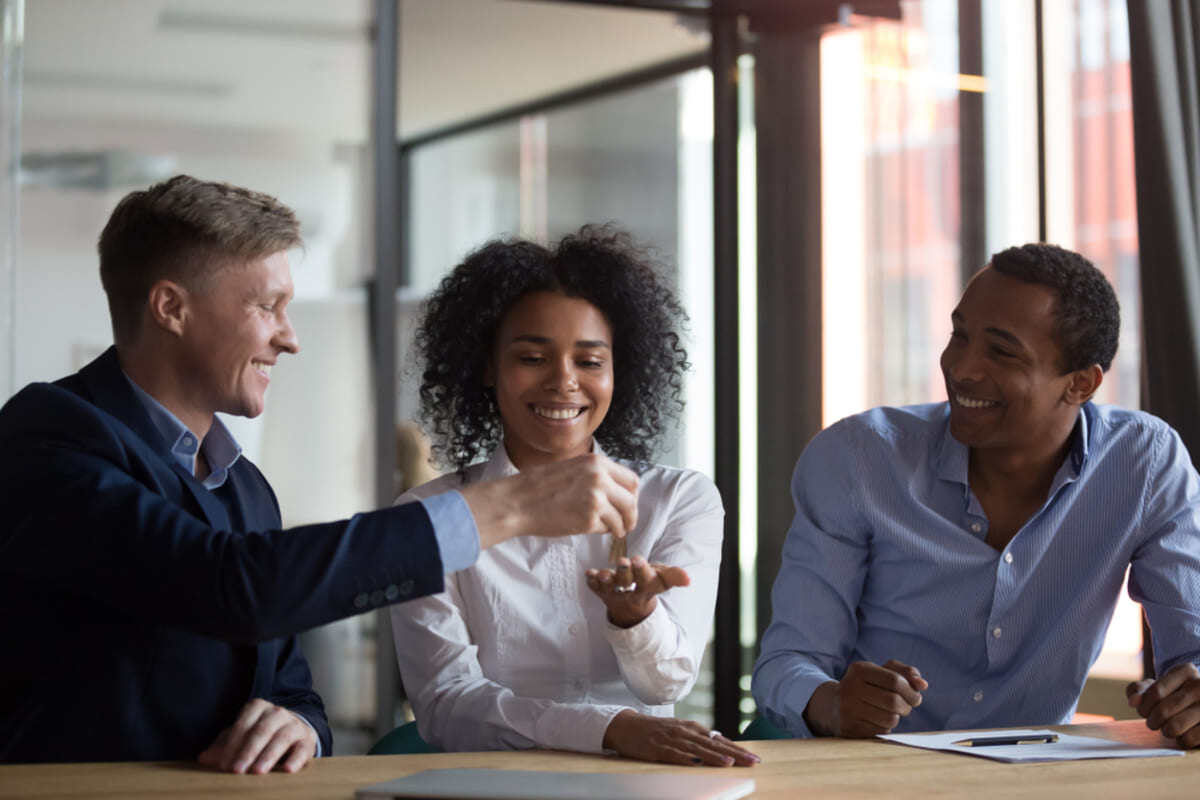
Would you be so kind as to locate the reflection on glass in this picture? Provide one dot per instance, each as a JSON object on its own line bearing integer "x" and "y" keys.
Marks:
{"x": 890, "y": 215}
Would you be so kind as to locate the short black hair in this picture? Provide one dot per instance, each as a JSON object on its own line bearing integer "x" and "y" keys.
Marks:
{"x": 600, "y": 264}
{"x": 1088, "y": 317}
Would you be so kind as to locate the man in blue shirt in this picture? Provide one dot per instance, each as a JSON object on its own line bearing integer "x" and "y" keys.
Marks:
{"x": 955, "y": 565}
{"x": 150, "y": 595}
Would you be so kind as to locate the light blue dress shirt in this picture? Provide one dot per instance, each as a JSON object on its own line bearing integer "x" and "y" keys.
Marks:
{"x": 220, "y": 449}
{"x": 886, "y": 558}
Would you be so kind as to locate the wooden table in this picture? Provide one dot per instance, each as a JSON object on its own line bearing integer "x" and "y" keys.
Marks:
{"x": 825, "y": 768}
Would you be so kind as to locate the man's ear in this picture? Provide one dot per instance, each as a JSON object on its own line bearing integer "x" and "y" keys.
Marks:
{"x": 168, "y": 306}
{"x": 1083, "y": 385}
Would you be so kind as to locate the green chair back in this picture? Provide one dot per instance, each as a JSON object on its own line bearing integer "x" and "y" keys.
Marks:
{"x": 759, "y": 728}
{"x": 404, "y": 740}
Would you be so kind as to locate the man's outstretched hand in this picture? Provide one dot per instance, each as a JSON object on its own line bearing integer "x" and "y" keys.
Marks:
{"x": 587, "y": 494}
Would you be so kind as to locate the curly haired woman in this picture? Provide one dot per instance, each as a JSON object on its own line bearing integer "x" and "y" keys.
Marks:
{"x": 532, "y": 356}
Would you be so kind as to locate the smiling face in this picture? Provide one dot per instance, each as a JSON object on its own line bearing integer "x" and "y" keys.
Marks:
{"x": 552, "y": 369}
{"x": 234, "y": 331}
{"x": 1002, "y": 369}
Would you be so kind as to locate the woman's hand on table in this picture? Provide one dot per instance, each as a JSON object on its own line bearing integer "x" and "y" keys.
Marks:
{"x": 673, "y": 741}
{"x": 631, "y": 591}
{"x": 263, "y": 737}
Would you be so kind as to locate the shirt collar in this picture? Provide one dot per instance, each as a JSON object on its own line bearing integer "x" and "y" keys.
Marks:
{"x": 953, "y": 455}
{"x": 501, "y": 466}
{"x": 221, "y": 450}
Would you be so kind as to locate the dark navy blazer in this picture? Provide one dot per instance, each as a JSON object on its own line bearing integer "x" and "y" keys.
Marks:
{"x": 140, "y": 611}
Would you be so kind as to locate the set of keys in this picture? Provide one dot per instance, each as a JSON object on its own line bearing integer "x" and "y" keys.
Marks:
{"x": 624, "y": 572}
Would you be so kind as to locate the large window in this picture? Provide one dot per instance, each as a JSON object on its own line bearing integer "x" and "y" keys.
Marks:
{"x": 891, "y": 206}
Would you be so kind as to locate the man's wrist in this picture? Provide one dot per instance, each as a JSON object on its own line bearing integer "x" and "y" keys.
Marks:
{"x": 495, "y": 510}
{"x": 819, "y": 713}
{"x": 316, "y": 736}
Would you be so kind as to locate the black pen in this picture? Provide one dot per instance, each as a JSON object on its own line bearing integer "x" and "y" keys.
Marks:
{"x": 996, "y": 741}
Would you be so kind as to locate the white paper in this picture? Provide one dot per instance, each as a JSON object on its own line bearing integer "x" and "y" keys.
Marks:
{"x": 1067, "y": 748}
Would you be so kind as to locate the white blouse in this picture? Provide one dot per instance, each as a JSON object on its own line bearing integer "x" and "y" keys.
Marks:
{"x": 519, "y": 653}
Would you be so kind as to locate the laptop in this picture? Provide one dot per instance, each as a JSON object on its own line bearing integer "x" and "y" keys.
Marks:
{"x": 502, "y": 784}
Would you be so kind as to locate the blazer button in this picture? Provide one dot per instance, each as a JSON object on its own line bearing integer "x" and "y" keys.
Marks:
{"x": 361, "y": 600}
{"x": 406, "y": 587}
{"x": 391, "y": 592}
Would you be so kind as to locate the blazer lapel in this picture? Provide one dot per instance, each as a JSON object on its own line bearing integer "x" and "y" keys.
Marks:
{"x": 213, "y": 509}
{"x": 110, "y": 390}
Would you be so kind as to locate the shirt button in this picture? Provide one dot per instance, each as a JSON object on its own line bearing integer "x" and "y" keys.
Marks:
{"x": 406, "y": 587}
{"x": 1008, "y": 558}
{"x": 573, "y": 630}
{"x": 188, "y": 441}
{"x": 976, "y": 527}
{"x": 977, "y": 696}
{"x": 361, "y": 600}
{"x": 996, "y": 633}
{"x": 391, "y": 592}
{"x": 377, "y": 597}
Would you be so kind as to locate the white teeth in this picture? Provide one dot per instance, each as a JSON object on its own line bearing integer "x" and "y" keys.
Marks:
{"x": 968, "y": 402}
{"x": 557, "y": 413}
{"x": 264, "y": 369}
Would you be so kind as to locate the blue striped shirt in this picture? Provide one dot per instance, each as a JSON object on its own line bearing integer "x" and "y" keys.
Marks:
{"x": 886, "y": 558}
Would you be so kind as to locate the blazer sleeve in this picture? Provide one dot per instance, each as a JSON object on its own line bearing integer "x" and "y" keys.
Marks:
{"x": 86, "y": 513}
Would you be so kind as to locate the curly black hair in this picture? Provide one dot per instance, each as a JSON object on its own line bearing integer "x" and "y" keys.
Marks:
{"x": 600, "y": 264}
{"x": 1087, "y": 315}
